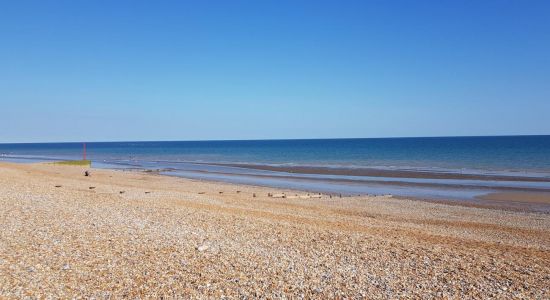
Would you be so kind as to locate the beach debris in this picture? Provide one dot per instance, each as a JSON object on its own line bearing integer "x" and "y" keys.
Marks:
{"x": 254, "y": 195}
{"x": 92, "y": 187}
{"x": 86, "y": 173}
{"x": 66, "y": 267}
{"x": 282, "y": 195}
{"x": 238, "y": 192}
{"x": 147, "y": 192}
{"x": 202, "y": 193}
{"x": 202, "y": 248}
{"x": 121, "y": 192}
{"x": 221, "y": 192}
{"x": 308, "y": 196}
{"x": 57, "y": 186}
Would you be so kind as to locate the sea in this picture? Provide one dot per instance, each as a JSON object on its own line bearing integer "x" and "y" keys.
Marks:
{"x": 458, "y": 168}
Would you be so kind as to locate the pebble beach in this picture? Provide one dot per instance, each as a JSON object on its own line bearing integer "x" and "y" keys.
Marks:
{"x": 131, "y": 234}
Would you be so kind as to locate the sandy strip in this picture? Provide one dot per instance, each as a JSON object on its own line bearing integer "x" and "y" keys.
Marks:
{"x": 541, "y": 198}
{"x": 130, "y": 234}
{"x": 381, "y": 173}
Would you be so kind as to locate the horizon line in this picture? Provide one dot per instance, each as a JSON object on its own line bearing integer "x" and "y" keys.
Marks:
{"x": 279, "y": 139}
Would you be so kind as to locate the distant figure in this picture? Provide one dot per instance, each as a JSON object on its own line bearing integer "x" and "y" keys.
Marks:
{"x": 86, "y": 173}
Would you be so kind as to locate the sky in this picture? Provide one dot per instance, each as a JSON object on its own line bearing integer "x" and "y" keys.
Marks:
{"x": 202, "y": 70}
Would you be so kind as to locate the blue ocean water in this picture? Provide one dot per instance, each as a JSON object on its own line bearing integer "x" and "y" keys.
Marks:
{"x": 514, "y": 156}
{"x": 461, "y": 154}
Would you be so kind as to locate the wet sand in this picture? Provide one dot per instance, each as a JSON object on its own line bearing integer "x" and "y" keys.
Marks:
{"x": 384, "y": 173}
{"x": 512, "y": 201}
{"x": 132, "y": 234}
{"x": 534, "y": 198}
{"x": 457, "y": 185}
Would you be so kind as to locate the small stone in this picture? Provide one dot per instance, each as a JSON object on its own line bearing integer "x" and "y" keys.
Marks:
{"x": 66, "y": 267}
{"x": 203, "y": 248}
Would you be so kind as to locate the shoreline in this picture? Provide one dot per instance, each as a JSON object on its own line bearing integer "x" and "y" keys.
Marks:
{"x": 508, "y": 197}
{"x": 486, "y": 175}
{"x": 373, "y": 172}
{"x": 138, "y": 234}
{"x": 367, "y": 181}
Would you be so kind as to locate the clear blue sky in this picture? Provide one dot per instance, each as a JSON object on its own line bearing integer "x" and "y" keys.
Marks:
{"x": 176, "y": 70}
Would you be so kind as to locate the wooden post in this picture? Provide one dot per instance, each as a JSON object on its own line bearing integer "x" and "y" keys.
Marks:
{"x": 84, "y": 151}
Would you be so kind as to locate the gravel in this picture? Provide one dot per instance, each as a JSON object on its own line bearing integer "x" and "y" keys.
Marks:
{"x": 185, "y": 239}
